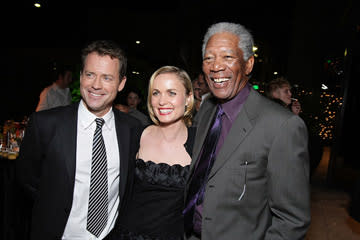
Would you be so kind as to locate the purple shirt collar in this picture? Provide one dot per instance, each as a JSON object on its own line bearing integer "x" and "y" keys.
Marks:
{"x": 233, "y": 107}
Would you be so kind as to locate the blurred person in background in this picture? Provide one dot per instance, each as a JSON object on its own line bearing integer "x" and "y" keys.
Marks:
{"x": 58, "y": 93}
{"x": 203, "y": 85}
{"x": 197, "y": 94}
{"x": 280, "y": 89}
{"x": 133, "y": 99}
{"x": 201, "y": 90}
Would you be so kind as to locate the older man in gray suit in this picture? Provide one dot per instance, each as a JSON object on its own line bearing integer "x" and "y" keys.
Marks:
{"x": 249, "y": 178}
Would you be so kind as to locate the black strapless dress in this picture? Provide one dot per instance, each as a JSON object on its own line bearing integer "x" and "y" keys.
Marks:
{"x": 155, "y": 209}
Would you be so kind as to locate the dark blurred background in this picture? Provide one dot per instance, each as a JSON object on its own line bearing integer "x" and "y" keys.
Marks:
{"x": 315, "y": 44}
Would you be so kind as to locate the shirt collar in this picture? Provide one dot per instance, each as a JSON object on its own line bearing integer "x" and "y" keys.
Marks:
{"x": 87, "y": 118}
{"x": 233, "y": 107}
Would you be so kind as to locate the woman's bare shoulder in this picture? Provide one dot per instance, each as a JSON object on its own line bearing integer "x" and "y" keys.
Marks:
{"x": 149, "y": 133}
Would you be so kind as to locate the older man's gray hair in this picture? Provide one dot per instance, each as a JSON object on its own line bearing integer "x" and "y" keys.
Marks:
{"x": 246, "y": 40}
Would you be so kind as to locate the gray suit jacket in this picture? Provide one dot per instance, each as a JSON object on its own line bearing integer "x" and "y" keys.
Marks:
{"x": 258, "y": 187}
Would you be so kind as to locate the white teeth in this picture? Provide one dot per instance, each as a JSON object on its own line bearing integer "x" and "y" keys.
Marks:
{"x": 220, "y": 80}
{"x": 165, "y": 110}
{"x": 96, "y": 95}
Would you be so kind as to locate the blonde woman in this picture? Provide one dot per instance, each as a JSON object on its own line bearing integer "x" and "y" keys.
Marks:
{"x": 162, "y": 165}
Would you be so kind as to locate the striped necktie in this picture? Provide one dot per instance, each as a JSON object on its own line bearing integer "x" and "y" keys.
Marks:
{"x": 98, "y": 198}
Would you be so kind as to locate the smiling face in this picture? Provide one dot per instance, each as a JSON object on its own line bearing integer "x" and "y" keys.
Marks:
{"x": 223, "y": 65}
{"x": 100, "y": 83}
{"x": 169, "y": 98}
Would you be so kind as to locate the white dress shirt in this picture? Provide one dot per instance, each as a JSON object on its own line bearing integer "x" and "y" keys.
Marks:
{"x": 76, "y": 225}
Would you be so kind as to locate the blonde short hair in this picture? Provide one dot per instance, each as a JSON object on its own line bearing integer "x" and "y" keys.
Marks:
{"x": 185, "y": 80}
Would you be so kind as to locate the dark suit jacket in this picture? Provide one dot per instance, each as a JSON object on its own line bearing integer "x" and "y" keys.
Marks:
{"x": 47, "y": 162}
{"x": 258, "y": 187}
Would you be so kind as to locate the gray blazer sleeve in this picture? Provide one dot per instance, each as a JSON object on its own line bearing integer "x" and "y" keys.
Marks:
{"x": 288, "y": 182}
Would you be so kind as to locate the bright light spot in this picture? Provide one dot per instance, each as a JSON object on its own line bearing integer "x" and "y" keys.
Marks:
{"x": 255, "y": 48}
{"x": 275, "y": 73}
{"x": 323, "y": 86}
{"x": 37, "y": 4}
{"x": 137, "y": 42}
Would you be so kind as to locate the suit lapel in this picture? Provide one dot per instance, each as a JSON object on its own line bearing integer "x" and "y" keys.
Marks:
{"x": 240, "y": 128}
{"x": 123, "y": 134}
{"x": 201, "y": 132}
{"x": 68, "y": 137}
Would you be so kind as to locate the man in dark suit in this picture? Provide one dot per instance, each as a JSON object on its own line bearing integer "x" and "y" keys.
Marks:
{"x": 75, "y": 155}
{"x": 256, "y": 181}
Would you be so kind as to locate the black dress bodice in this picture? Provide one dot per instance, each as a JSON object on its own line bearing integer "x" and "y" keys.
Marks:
{"x": 155, "y": 209}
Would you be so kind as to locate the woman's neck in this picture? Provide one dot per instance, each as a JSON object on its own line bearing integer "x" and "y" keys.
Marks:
{"x": 173, "y": 131}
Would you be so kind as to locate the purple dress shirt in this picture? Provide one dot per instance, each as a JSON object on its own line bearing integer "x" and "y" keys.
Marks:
{"x": 231, "y": 109}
